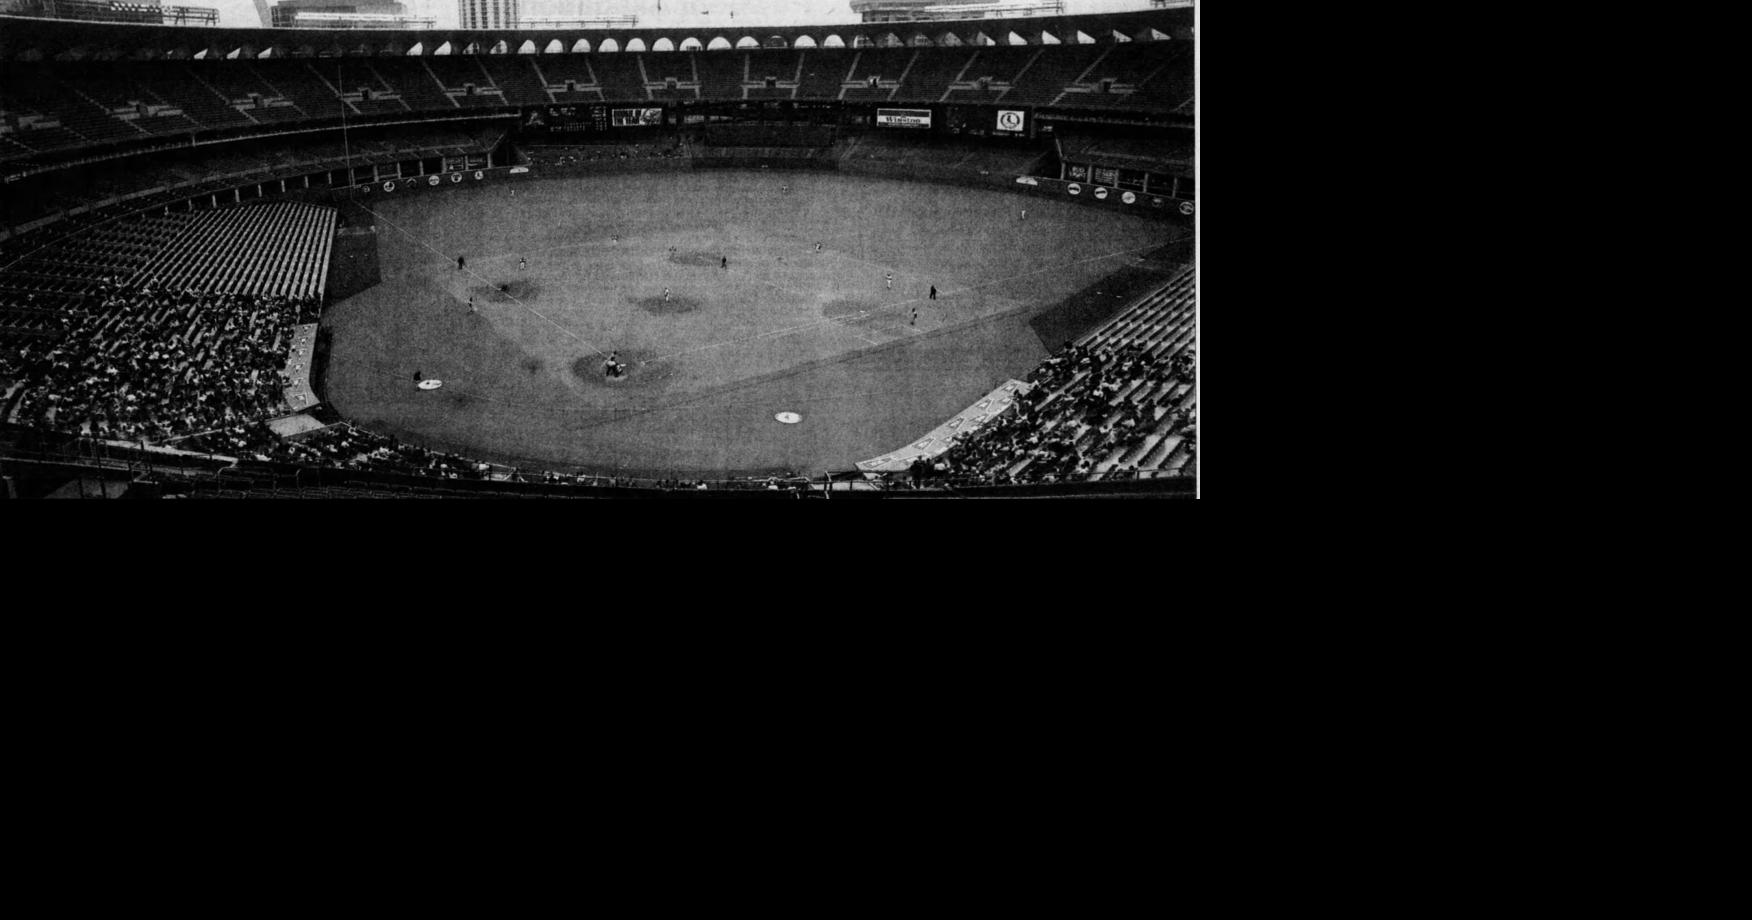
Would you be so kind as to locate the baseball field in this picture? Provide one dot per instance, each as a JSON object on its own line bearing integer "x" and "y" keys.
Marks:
{"x": 727, "y": 299}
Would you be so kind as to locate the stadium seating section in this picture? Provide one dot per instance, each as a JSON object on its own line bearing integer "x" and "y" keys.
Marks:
{"x": 1120, "y": 402}
{"x": 67, "y": 106}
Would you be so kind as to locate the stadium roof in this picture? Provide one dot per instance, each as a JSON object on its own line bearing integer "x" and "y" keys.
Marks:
{"x": 23, "y": 39}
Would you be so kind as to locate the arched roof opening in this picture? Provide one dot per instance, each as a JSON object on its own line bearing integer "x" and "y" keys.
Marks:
{"x": 691, "y": 44}
{"x": 581, "y": 46}
{"x": 662, "y": 44}
{"x": 803, "y": 41}
{"x": 499, "y": 47}
{"x": 833, "y": 41}
{"x": 528, "y": 47}
{"x": 608, "y": 46}
{"x": 1047, "y": 38}
{"x": 746, "y": 42}
{"x": 443, "y": 49}
{"x": 1015, "y": 39}
{"x": 950, "y": 40}
{"x": 718, "y": 44}
{"x": 418, "y": 49}
{"x": 921, "y": 41}
{"x": 635, "y": 44}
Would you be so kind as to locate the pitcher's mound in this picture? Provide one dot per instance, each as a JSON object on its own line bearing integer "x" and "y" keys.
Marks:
{"x": 639, "y": 375}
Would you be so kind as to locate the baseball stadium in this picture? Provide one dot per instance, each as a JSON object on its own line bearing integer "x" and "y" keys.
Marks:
{"x": 755, "y": 250}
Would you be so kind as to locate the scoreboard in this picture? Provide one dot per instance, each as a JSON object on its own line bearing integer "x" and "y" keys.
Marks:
{"x": 570, "y": 118}
{"x": 592, "y": 117}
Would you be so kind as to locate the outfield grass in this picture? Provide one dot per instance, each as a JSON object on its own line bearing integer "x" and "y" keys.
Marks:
{"x": 785, "y": 328}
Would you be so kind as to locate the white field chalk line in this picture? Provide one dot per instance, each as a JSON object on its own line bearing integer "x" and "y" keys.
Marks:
{"x": 790, "y": 330}
{"x": 471, "y": 271}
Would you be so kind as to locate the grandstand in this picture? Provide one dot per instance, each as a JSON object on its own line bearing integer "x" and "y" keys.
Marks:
{"x": 179, "y": 202}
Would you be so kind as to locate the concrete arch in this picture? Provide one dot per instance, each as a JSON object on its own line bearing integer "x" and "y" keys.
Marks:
{"x": 581, "y": 46}
{"x": 608, "y": 46}
{"x": 1047, "y": 38}
{"x": 833, "y": 41}
{"x": 499, "y": 47}
{"x": 1014, "y": 39}
{"x": 862, "y": 41}
{"x": 747, "y": 42}
{"x": 921, "y": 40}
{"x": 443, "y": 49}
{"x": 775, "y": 42}
{"x": 417, "y": 50}
{"x": 528, "y": 47}
{"x": 635, "y": 45}
{"x": 719, "y": 43}
{"x": 663, "y": 44}
{"x": 804, "y": 41}
{"x": 554, "y": 47}
{"x": 691, "y": 44}
{"x": 472, "y": 48}
{"x": 891, "y": 40}
{"x": 950, "y": 40}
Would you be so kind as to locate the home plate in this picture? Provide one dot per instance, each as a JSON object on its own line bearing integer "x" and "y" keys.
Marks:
{"x": 431, "y": 384}
{"x": 789, "y": 418}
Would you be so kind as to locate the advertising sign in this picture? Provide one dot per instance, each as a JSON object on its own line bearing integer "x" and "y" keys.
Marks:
{"x": 1011, "y": 120}
{"x": 904, "y": 118}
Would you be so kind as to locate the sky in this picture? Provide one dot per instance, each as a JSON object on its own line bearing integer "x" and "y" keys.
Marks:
{"x": 242, "y": 13}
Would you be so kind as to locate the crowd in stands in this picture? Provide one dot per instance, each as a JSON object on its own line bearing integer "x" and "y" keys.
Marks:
{"x": 347, "y": 447}
{"x": 573, "y": 154}
{"x": 136, "y": 362}
{"x": 1084, "y": 405}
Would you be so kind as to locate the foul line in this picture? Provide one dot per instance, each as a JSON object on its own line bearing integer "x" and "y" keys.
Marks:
{"x": 837, "y": 320}
{"x": 489, "y": 283}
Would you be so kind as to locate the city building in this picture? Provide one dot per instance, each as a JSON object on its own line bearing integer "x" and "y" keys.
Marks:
{"x": 925, "y": 10}
{"x": 487, "y": 14}
{"x": 144, "y": 12}
{"x": 338, "y": 14}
